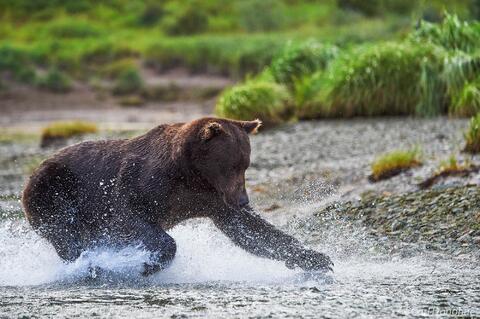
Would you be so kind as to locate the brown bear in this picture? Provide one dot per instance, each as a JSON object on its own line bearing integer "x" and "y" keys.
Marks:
{"x": 128, "y": 192}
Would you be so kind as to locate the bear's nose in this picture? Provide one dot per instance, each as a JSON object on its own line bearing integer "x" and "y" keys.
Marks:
{"x": 243, "y": 201}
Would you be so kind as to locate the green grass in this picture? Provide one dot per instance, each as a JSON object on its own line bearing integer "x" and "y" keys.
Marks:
{"x": 452, "y": 34}
{"x": 233, "y": 55}
{"x": 8, "y": 137}
{"x": 402, "y": 77}
{"x": 299, "y": 60}
{"x": 466, "y": 102}
{"x": 452, "y": 165}
{"x": 268, "y": 102}
{"x": 394, "y": 163}
{"x": 472, "y": 136}
{"x": 81, "y": 37}
{"x": 64, "y": 130}
{"x": 381, "y": 79}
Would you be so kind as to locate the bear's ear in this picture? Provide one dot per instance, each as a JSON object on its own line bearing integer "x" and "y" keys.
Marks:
{"x": 211, "y": 130}
{"x": 251, "y": 126}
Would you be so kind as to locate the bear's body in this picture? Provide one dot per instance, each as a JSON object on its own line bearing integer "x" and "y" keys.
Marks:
{"x": 128, "y": 192}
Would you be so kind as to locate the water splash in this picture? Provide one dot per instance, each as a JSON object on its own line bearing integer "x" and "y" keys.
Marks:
{"x": 203, "y": 254}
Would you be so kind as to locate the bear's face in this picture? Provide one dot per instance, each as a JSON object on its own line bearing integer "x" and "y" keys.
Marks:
{"x": 223, "y": 156}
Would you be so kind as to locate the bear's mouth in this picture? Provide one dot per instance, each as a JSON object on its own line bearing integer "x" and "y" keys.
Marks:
{"x": 238, "y": 202}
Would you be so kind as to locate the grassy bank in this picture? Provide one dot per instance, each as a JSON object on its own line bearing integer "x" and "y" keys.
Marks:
{"x": 432, "y": 70}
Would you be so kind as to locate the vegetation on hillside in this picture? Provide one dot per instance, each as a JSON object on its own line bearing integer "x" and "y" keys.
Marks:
{"x": 334, "y": 58}
{"x": 433, "y": 70}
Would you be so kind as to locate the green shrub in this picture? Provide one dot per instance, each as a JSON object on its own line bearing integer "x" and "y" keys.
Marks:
{"x": 384, "y": 79}
{"x": 472, "y": 136}
{"x": 300, "y": 60}
{"x": 55, "y": 81}
{"x": 268, "y": 102}
{"x": 188, "y": 19}
{"x": 452, "y": 34}
{"x": 128, "y": 82}
{"x": 151, "y": 14}
{"x": 394, "y": 163}
{"x": 17, "y": 63}
{"x": 260, "y": 15}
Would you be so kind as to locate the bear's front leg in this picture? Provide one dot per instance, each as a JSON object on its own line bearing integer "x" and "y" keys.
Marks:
{"x": 249, "y": 231}
{"x": 162, "y": 247}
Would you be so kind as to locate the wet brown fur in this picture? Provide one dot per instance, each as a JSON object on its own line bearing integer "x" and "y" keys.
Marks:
{"x": 122, "y": 192}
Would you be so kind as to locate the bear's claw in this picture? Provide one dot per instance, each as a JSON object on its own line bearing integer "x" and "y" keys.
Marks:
{"x": 310, "y": 260}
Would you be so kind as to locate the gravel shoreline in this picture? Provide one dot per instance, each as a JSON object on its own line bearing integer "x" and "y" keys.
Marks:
{"x": 443, "y": 219}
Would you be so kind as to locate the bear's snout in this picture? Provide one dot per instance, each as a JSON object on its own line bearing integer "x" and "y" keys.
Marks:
{"x": 243, "y": 201}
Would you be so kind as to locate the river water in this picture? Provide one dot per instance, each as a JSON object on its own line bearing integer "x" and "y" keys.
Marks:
{"x": 212, "y": 278}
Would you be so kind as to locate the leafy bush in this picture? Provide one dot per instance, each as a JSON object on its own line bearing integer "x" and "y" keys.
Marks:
{"x": 151, "y": 14}
{"x": 128, "y": 82}
{"x": 394, "y": 163}
{"x": 472, "y": 136}
{"x": 260, "y": 15}
{"x": 268, "y": 102}
{"x": 298, "y": 60}
{"x": 17, "y": 64}
{"x": 452, "y": 34}
{"x": 384, "y": 79}
{"x": 55, "y": 81}
{"x": 188, "y": 19}
{"x": 62, "y": 130}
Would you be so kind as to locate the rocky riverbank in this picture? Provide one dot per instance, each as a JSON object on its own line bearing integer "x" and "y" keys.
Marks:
{"x": 443, "y": 219}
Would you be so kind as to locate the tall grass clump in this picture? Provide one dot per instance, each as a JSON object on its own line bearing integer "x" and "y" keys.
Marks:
{"x": 306, "y": 96}
{"x": 59, "y": 131}
{"x": 384, "y": 79}
{"x": 299, "y": 60}
{"x": 466, "y": 101}
{"x": 461, "y": 75}
{"x": 268, "y": 102}
{"x": 452, "y": 34}
{"x": 472, "y": 136}
{"x": 394, "y": 163}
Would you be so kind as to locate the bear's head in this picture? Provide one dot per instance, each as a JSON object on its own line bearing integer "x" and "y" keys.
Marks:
{"x": 220, "y": 154}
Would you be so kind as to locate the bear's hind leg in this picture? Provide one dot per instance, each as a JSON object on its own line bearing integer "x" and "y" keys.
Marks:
{"x": 162, "y": 247}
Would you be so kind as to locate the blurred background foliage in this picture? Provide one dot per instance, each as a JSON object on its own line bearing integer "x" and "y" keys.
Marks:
{"x": 332, "y": 57}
